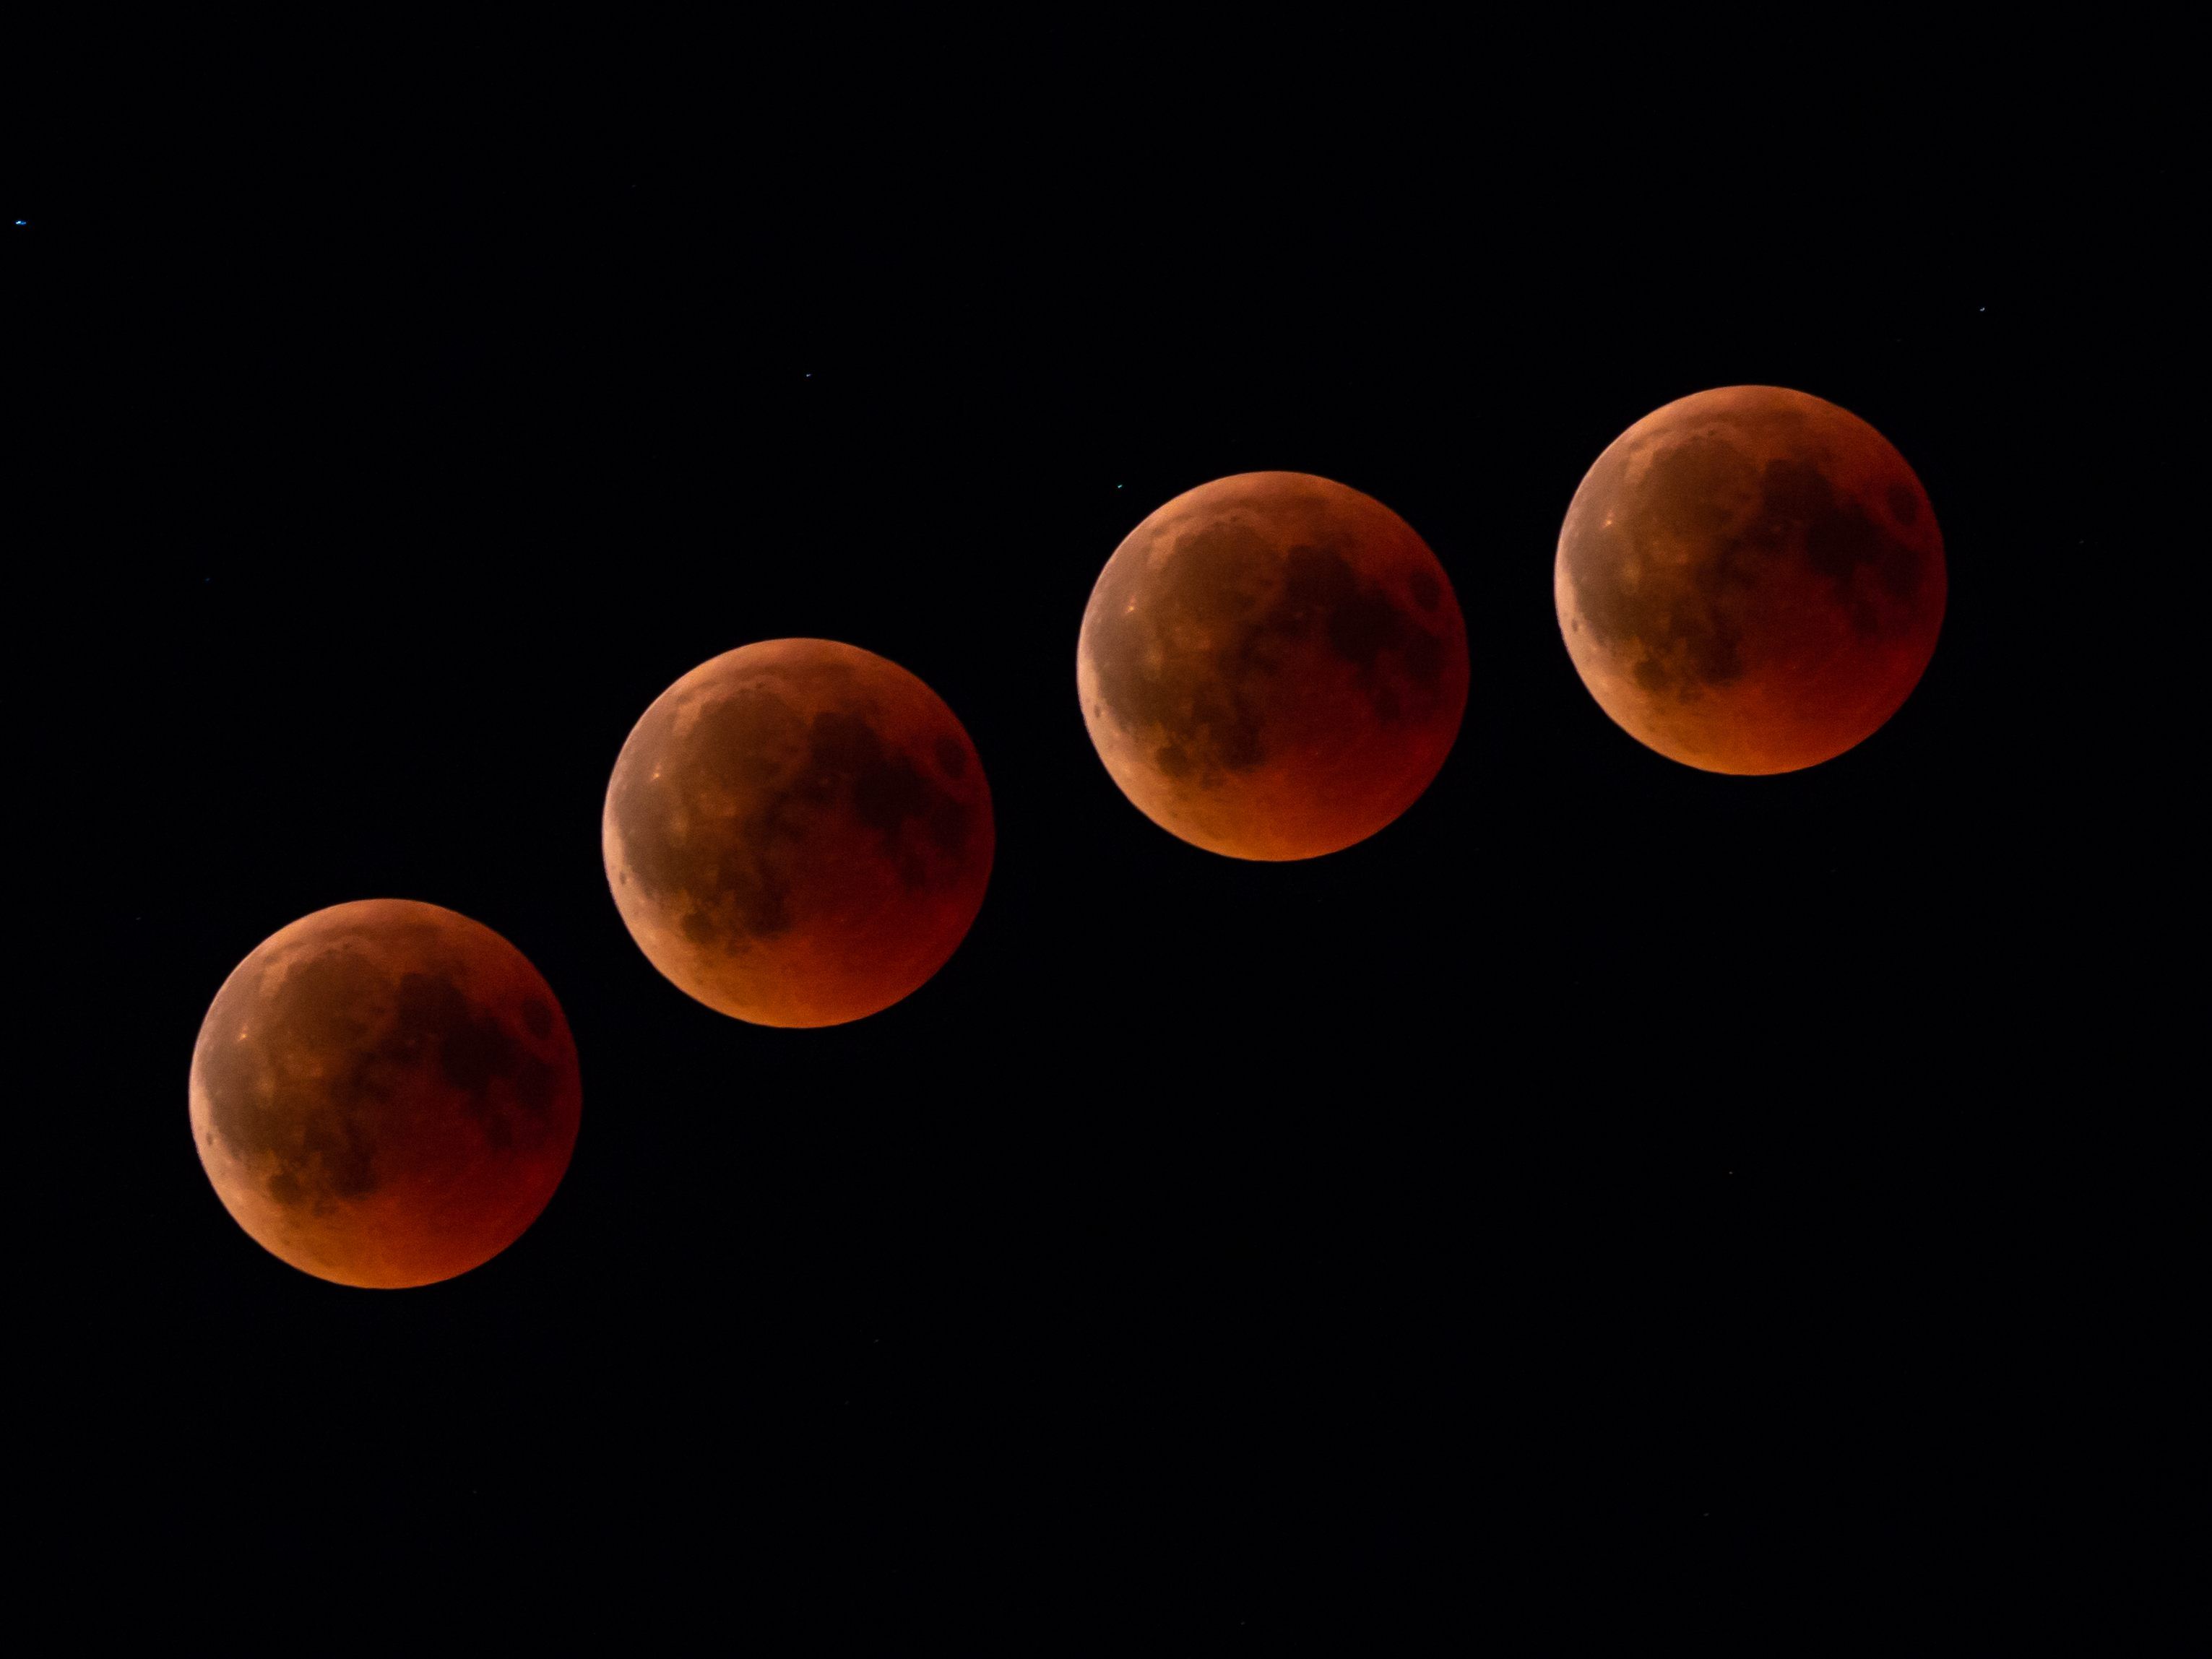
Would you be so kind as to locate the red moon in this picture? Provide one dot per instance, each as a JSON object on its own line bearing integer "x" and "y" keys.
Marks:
{"x": 384, "y": 1094}
{"x": 1272, "y": 666}
{"x": 797, "y": 833}
{"x": 1750, "y": 580}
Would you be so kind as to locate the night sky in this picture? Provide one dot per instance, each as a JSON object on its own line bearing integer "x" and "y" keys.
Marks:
{"x": 1611, "y": 1181}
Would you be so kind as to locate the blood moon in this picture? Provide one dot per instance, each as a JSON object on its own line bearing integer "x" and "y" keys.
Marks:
{"x": 384, "y": 1094}
{"x": 1272, "y": 666}
{"x": 797, "y": 833}
{"x": 1750, "y": 579}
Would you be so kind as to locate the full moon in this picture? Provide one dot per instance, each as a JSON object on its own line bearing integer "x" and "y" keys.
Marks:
{"x": 1750, "y": 580}
{"x": 1272, "y": 666}
{"x": 797, "y": 833}
{"x": 384, "y": 1094}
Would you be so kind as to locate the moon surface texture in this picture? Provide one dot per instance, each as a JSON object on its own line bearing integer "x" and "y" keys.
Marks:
{"x": 1750, "y": 579}
{"x": 1272, "y": 666}
{"x": 797, "y": 833}
{"x": 384, "y": 1094}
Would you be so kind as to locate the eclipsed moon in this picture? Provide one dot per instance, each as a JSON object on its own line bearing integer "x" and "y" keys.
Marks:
{"x": 385, "y": 1093}
{"x": 797, "y": 833}
{"x": 1272, "y": 666}
{"x": 1750, "y": 579}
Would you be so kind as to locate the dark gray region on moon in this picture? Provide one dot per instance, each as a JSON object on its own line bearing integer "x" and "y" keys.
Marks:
{"x": 712, "y": 875}
{"x": 1207, "y": 707}
{"x": 334, "y": 1063}
{"x": 1685, "y": 622}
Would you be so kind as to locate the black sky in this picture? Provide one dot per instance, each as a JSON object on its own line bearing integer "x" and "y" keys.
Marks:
{"x": 1610, "y": 1178}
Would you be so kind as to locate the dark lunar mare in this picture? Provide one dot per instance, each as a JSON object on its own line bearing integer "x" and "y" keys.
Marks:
{"x": 1209, "y": 708}
{"x": 842, "y": 763}
{"x": 273, "y": 1096}
{"x": 1686, "y": 620}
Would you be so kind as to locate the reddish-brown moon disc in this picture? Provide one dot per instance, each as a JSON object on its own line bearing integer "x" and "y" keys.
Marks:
{"x": 384, "y": 1094}
{"x": 797, "y": 833}
{"x": 1272, "y": 666}
{"x": 1750, "y": 579}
